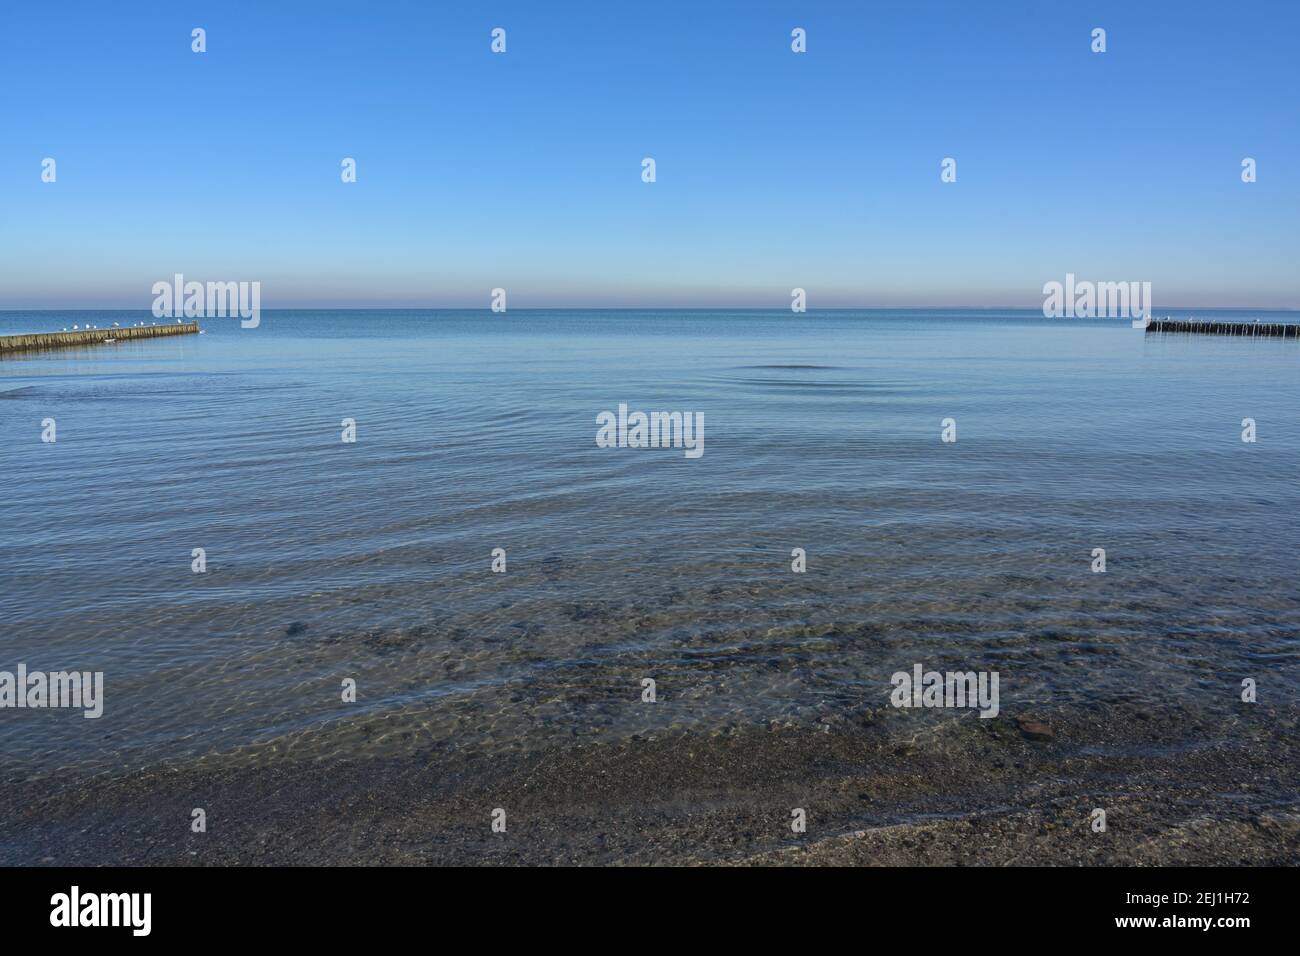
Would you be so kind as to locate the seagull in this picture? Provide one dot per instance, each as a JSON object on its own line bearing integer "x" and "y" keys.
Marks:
{"x": 74, "y": 328}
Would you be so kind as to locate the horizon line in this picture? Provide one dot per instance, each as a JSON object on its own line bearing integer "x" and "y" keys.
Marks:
{"x": 657, "y": 308}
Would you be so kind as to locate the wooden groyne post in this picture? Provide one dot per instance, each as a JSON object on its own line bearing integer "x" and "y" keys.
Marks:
{"x": 1214, "y": 327}
{"x": 63, "y": 340}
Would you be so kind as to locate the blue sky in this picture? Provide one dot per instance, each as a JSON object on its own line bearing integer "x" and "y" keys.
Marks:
{"x": 775, "y": 170}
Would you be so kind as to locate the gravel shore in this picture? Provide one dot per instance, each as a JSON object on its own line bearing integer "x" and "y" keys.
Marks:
{"x": 877, "y": 786}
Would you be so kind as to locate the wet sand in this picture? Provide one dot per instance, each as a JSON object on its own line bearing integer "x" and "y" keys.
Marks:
{"x": 880, "y": 787}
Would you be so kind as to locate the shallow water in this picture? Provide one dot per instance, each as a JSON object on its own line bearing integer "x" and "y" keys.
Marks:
{"x": 372, "y": 561}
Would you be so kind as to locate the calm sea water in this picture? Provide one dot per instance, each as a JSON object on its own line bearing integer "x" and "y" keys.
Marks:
{"x": 372, "y": 561}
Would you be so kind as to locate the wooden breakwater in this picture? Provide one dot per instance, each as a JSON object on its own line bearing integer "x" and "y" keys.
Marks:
{"x": 1214, "y": 327}
{"x": 64, "y": 340}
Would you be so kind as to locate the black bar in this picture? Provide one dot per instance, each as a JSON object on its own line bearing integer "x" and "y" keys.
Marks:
{"x": 335, "y": 905}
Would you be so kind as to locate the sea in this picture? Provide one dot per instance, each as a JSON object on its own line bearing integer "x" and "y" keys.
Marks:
{"x": 876, "y": 490}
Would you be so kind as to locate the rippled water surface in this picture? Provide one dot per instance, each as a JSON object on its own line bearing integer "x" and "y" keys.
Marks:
{"x": 372, "y": 561}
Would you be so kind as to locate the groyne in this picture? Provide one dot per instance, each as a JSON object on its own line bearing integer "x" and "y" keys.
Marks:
{"x": 1214, "y": 327}
{"x": 63, "y": 340}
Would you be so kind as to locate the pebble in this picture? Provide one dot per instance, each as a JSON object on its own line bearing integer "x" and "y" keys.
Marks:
{"x": 1034, "y": 729}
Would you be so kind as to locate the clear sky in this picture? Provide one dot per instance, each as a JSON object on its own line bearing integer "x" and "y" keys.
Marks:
{"x": 774, "y": 169}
